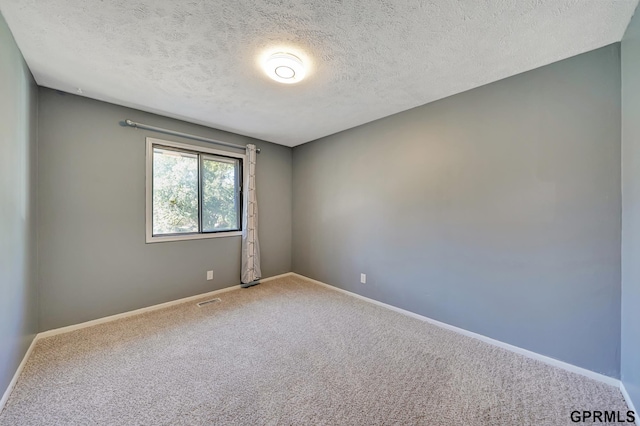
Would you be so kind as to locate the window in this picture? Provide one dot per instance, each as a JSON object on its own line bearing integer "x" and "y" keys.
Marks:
{"x": 192, "y": 192}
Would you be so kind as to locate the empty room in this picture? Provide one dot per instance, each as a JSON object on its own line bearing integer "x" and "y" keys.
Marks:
{"x": 257, "y": 212}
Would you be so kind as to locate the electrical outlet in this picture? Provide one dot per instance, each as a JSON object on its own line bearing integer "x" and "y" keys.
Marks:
{"x": 209, "y": 275}
{"x": 363, "y": 278}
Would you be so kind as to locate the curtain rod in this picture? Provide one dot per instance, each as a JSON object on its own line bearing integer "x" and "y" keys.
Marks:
{"x": 133, "y": 124}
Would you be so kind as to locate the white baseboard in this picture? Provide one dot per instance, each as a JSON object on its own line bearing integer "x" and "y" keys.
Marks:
{"x": 110, "y": 318}
{"x": 275, "y": 277}
{"x": 533, "y": 355}
{"x": 627, "y": 398}
{"x": 14, "y": 380}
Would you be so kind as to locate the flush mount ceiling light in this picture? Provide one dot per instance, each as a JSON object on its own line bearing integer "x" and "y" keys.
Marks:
{"x": 284, "y": 68}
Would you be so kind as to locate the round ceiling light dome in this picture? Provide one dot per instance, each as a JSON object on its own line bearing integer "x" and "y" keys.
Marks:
{"x": 284, "y": 68}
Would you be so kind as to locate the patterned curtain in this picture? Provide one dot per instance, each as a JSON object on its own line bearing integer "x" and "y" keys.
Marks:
{"x": 250, "y": 272}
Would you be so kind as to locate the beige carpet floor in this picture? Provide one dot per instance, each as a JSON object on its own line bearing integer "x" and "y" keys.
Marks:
{"x": 289, "y": 352}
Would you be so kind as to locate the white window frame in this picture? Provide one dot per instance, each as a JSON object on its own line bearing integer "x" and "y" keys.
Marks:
{"x": 150, "y": 238}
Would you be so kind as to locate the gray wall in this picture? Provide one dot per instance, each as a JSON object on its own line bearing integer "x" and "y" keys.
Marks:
{"x": 496, "y": 210}
{"x": 18, "y": 293}
{"x": 93, "y": 257}
{"x": 631, "y": 210}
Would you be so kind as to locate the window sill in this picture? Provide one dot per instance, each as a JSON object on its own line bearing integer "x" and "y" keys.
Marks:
{"x": 151, "y": 239}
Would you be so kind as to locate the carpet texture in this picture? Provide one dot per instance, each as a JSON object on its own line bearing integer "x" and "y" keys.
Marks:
{"x": 290, "y": 352}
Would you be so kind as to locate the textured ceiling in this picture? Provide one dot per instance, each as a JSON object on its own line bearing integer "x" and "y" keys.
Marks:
{"x": 199, "y": 59}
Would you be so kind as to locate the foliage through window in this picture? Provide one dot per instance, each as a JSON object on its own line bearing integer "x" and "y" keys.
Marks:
{"x": 193, "y": 192}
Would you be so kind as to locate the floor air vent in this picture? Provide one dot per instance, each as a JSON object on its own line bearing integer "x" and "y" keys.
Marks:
{"x": 208, "y": 302}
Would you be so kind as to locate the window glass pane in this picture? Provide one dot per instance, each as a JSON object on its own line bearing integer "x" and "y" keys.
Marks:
{"x": 175, "y": 191}
{"x": 220, "y": 196}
